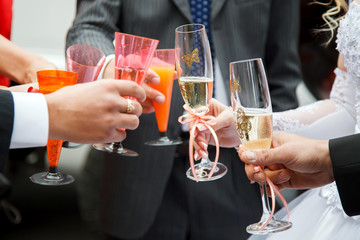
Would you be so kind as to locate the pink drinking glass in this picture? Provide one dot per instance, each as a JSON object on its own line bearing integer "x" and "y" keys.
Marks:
{"x": 133, "y": 55}
{"x": 86, "y": 61}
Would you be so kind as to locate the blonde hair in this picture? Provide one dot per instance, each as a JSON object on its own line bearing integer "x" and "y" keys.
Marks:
{"x": 332, "y": 16}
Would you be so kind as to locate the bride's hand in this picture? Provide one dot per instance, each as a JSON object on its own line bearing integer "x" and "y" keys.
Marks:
{"x": 223, "y": 125}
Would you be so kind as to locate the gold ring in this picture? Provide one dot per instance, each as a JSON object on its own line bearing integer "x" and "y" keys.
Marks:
{"x": 130, "y": 107}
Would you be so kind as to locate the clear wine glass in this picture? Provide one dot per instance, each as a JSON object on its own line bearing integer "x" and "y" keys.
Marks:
{"x": 50, "y": 81}
{"x": 195, "y": 77}
{"x": 251, "y": 104}
{"x": 87, "y": 62}
{"x": 133, "y": 55}
{"x": 163, "y": 63}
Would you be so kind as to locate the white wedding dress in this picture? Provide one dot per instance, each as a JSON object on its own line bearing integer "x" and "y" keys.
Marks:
{"x": 317, "y": 214}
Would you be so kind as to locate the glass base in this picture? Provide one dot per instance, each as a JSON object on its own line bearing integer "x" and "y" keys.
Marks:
{"x": 273, "y": 227}
{"x": 202, "y": 171}
{"x": 52, "y": 179}
{"x": 71, "y": 145}
{"x": 110, "y": 148}
{"x": 163, "y": 141}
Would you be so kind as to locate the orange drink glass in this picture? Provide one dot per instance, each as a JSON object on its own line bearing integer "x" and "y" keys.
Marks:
{"x": 51, "y": 81}
{"x": 163, "y": 63}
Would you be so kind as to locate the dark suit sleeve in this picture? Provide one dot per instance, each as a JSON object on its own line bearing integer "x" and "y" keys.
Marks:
{"x": 345, "y": 157}
{"x": 6, "y": 124}
{"x": 282, "y": 61}
{"x": 95, "y": 24}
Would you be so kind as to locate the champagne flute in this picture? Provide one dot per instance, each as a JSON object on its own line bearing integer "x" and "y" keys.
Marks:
{"x": 195, "y": 72}
{"x": 133, "y": 55}
{"x": 50, "y": 81}
{"x": 163, "y": 63}
{"x": 86, "y": 61}
{"x": 251, "y": 104}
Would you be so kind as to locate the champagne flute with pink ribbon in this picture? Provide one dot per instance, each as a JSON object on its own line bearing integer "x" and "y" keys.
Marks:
{"x": 133, "y": 55}
{"x": 195, "y": 76}
{"x": 86, "y": 61}
{"x": 251, "y": 104}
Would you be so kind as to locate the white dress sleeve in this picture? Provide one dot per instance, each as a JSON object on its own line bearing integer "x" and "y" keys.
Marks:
{"x": 324, "y": 119}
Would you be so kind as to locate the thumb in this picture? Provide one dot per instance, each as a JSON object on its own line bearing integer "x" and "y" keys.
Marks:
{"x": 262, "y": 157}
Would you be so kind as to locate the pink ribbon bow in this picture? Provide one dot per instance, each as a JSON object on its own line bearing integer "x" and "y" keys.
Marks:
{"x": 199, "y": 117}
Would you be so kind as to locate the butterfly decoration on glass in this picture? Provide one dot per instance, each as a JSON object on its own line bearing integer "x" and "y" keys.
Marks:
{"x": 51, "y": 81}
{"x": 195, "y": 77}
{"x": 251, "y": 104}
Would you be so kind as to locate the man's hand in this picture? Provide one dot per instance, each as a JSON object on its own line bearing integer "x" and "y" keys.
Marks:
{"x": 151, "y": 94}
{"x": 293, "y": 162}
{"x": 94, "y": 112}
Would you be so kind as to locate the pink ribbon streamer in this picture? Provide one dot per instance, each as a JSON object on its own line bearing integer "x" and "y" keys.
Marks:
{"x": 199, "y": 117}
{"x": 274, "y": 192}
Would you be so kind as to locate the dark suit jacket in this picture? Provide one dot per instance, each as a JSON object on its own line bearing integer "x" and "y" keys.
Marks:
{"x": 6, "y": 126}
{"x": 241, "y": 29}
{"x": 345, "y": 157}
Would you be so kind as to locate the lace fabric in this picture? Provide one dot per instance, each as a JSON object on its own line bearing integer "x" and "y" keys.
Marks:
{"x": 324, "y": 119}
{"x": 348, "y": 44}
{"x": 339, "y": 115}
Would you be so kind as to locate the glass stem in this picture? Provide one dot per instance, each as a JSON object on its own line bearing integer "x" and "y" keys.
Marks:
{"x": 205, "y": 161}
{"x": 117, "y": 146}
{"x": 162, "y": 134}
{"x": 265, "y": 202}
{"x": 53, "y": 169}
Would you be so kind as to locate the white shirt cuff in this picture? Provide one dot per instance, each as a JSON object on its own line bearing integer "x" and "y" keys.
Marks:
{"x": 108, "y": 59}
{"x": 31, "y": 120}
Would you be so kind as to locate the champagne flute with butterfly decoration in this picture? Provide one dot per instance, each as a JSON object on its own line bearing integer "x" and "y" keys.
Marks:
{"x": 195, "y": 72}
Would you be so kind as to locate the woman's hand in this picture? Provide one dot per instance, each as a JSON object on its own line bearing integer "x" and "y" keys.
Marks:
{"x": 224, "y": 126}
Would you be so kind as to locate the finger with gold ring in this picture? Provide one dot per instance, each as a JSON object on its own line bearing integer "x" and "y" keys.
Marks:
{"x": 130, "y": 107}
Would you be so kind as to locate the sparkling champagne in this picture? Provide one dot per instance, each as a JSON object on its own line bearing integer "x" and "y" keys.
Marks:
{"x": 254, "y": 128}
{"x": 196, "y": 91}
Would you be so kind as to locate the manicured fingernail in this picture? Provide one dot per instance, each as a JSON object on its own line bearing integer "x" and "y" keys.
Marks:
{"x": 155, "y": 80}
{"x": 204, "y": 145}
{"x": 203, "y": 154}
{"x": 257, "y": 169}
{"x": 250, "y": 155}
{"x": 30, "y": 89}
{"x": 201, "y": 127}
{"x": 284, "y": 176}
{"x": 160, "y": 99}
{"x": 252, "y": 182}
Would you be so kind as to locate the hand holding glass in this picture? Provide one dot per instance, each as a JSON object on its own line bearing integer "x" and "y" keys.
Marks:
{"x": 195, "y": 71}
{"x": 133, "y": 55}
{"x": 251, "y": 104}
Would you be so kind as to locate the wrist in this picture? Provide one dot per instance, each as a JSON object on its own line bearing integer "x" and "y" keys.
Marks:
{"x": 54, "y": 117}
{"x": 324, "y": 156}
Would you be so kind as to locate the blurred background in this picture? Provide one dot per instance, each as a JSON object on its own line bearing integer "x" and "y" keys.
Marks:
{"x": 40, "y": 26}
